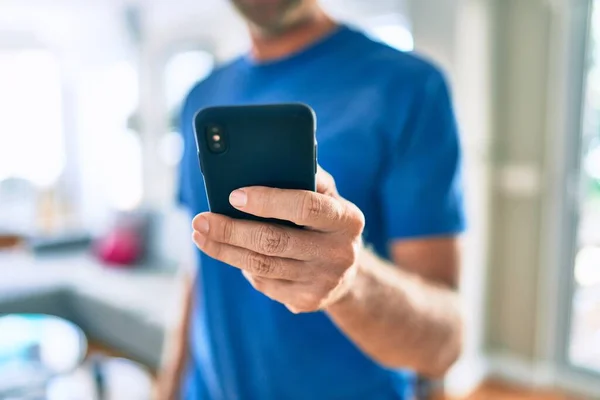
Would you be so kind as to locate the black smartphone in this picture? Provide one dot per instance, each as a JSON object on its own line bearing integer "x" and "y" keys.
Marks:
{"x": 258, "y": 145}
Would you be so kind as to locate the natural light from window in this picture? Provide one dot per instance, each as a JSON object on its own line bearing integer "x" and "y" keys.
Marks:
{"x": 117, "y": 94}
{"x": 394, "y": 35}
{"x": 31, "y": 118}
{"x": 183, "y": 70}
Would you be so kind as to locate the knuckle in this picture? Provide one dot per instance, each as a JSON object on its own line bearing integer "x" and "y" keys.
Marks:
{"x": 310, "y": 207}
{"x": 227, "y": 231}
{"x": 355, "y": 220}
{"x": 271, "y": 240}
{"x": 260, "y": 264}
{"x": 314, "y": 251}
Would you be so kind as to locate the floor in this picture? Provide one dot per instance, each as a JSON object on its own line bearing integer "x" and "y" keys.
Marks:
{"x": 489, "y": 391}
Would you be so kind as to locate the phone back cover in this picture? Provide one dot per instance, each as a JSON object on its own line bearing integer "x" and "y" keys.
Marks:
{"x": 269, "y": 145}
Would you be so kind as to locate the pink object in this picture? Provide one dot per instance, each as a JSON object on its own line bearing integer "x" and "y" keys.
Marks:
{"x": 122, "y": 246}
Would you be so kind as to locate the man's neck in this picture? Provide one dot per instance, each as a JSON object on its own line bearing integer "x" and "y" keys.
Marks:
{"x": 267, "y": 47}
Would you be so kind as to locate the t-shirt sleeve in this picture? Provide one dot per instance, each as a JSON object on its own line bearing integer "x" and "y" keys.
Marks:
{"x": 422, "y": 192}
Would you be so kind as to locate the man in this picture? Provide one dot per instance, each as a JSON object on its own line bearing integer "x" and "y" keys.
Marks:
{"x": 347, "y": 308}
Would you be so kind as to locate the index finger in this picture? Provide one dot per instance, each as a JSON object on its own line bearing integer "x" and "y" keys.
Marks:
{"x": 302, "y": 207}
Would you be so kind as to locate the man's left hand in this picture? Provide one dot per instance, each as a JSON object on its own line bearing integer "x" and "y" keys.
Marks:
{"x": 305, "y": 269}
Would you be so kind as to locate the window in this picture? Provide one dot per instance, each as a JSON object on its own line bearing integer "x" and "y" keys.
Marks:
{"x": 31, "y": 124}
{"x": 32, "y": 142}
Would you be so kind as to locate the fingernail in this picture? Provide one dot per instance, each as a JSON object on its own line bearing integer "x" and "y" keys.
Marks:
{"x": 202, "y": 224}
{"x": 199, "y": 238}
{"x": 238, "y": 198}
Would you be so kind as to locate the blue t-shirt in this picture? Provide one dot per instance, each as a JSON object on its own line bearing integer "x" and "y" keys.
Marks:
{"x": 387, "y": 133}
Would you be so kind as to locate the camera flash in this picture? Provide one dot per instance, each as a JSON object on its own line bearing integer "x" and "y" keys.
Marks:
{"x": 216, "y": 138}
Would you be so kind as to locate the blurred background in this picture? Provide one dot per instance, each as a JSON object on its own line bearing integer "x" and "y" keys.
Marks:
{"x": 91, "y": 238}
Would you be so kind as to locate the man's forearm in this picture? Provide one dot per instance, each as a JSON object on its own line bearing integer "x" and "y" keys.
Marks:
{"x": 399, "y": 319}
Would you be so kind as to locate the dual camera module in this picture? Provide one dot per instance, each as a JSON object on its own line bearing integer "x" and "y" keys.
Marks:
{"x": 216, "y": 139}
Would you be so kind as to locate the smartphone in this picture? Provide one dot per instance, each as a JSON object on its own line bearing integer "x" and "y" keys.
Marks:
{"x": 258, "y": 145}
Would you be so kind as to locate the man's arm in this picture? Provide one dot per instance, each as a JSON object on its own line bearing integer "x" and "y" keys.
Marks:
{"x": 409, "y": 316}
{"x": 175, "y": 351}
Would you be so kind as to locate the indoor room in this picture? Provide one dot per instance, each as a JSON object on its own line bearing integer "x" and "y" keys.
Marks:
{"x": 450, "y": 250}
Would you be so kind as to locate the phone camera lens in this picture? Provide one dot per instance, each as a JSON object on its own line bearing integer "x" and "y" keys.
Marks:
{"x": 216, "y": 139}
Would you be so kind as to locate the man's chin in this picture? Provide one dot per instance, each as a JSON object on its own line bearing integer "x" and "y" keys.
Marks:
{"x": 268, "y": 15}
{"x": 268, "y": 25}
